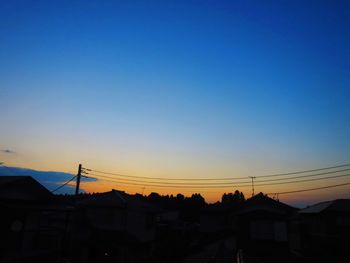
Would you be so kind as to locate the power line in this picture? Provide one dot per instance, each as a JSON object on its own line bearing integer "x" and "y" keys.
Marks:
{"x": 303, "y": 176}
{"x": 203, "y": 185}
{"x": 164, "y": 178}
{"x": 168, "y": 185}
{"x": 287, "y": 192}
{"x": 307, "y": 171}
{"x": 259, "y": 183}
{"x": 64, "y": 184}
{"x": 217, "y": 179}
{"x": 160, "y": 182}
{"x": 305, "y": 180}
{"x": 310, "y": 189}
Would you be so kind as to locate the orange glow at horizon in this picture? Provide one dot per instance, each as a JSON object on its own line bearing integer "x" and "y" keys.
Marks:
{"x": 213, "y": 195}
{"x": 210, "y": 195}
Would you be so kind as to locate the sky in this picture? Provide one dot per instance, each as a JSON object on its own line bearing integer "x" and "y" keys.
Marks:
{"x": 180, "y": 89}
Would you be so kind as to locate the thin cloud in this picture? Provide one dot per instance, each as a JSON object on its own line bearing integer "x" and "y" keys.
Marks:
{"x": 7, "y": 151}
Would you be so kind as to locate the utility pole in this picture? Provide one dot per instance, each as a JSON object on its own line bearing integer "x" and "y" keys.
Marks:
{"x": 78, "y": 180}
{"x": 253, "y": 178}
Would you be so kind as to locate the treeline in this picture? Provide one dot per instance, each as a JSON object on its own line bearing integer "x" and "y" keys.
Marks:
{"x": 196, "y": 199}
{"x": 190, "y": 207}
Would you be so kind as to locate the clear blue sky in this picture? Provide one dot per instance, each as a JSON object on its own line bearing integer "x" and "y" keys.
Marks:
{"x": 191, "y": 88}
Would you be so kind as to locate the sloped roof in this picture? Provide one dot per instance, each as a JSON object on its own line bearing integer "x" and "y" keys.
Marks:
{"x": 263, "y": 202}
{"x": 261, "y": 199}
{"x": 107, "y": 199}
{"x": 338, "y": 205}
{"x": 6, "y": 180}
{"x": 22, "y": 188}
{"x": 118, "y": 199}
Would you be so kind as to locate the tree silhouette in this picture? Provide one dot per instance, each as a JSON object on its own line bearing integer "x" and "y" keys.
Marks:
{"x": 233, "y": 198}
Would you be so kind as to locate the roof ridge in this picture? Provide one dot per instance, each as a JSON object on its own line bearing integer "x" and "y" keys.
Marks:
{"x": 116, "y": 192}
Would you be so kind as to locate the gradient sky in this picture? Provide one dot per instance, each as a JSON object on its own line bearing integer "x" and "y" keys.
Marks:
{"x": 199, "y": 89}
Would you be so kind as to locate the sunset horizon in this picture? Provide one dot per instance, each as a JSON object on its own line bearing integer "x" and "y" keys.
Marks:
{"x": 309, "y": 193}
{"x": 186, "y": 89}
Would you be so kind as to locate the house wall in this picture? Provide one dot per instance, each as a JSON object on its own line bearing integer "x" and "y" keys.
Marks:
{"x": 109, "y": 217}
{"x": 212, "y": 223}
{"x": 268, "y": 230}
{"x": 141, "y": 224}
{"x": 170, "y": 216}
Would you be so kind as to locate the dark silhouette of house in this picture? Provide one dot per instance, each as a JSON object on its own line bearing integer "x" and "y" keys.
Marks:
{"x": 37, "y": 226}
{"x": 325, "y": 231}
{"x": 218, "y": 251}
{"x": 22, "y": 188}
{"x": 33, "y": 227}
{"x": 263, "y": 228}
{"x": 219, "y": 218}
{"x": 114, "y": 227}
